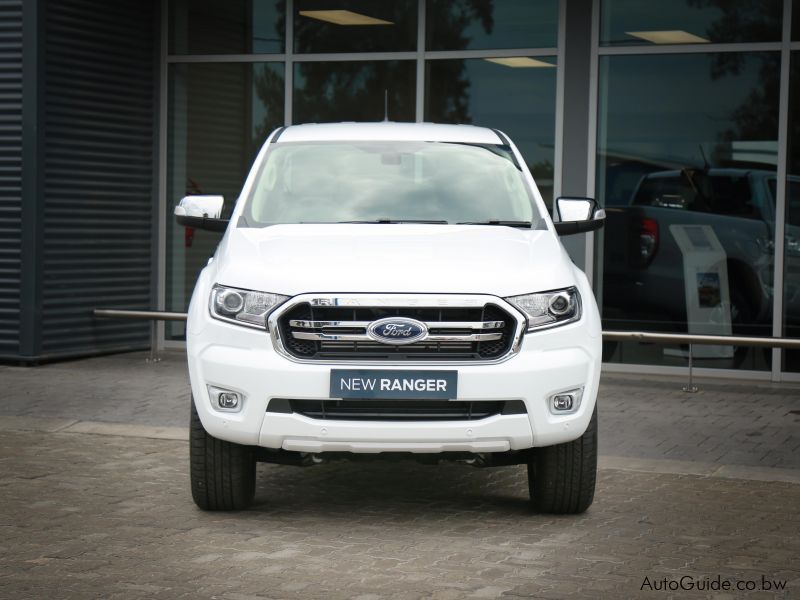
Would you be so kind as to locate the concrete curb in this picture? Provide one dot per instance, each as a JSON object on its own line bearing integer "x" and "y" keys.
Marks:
{"x": 618, "y": 463}
{"x": 702, "y": 469}
{"x": 50, "y": 425}
{"x": 128, "y": 430}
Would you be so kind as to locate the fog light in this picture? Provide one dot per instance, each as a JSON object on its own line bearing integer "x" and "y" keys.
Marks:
{"x": 566, "y": 402}
{"x": 562, "y": 402}
{"x": 231, "y": 400}
{"x": 226, "y": 400}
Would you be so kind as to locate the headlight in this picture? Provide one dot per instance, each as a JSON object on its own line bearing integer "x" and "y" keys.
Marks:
{"x": 549, "y": 309}
{"x": 244, "y": 307}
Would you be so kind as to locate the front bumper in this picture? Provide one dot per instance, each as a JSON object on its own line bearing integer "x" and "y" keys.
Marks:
{"x": 244, "y": 360}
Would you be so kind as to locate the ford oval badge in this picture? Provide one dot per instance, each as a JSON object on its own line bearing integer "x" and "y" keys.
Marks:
{"x": 397, "y": 331}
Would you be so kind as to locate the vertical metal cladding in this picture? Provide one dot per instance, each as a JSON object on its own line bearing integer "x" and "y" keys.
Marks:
{"x": 99, "y": 176}
{"x": 10, "y": 173}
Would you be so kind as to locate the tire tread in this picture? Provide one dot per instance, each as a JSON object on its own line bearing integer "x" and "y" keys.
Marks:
{"x": 222, "y": 473}
{"x": 562, "y": 478}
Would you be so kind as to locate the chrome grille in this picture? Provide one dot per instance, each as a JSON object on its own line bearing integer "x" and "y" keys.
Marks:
{"x": 461, "y": 333}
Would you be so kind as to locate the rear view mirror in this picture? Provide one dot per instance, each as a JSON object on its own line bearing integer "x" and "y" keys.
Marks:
{"x": 201, "y": 212}
{"x": 577, "y": 215}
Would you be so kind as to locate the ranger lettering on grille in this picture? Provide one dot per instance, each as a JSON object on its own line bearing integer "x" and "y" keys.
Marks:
{"x": 410, "y": 385}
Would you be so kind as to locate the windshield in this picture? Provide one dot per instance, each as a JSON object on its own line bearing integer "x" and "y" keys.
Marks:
{"x": 335, "y": 182}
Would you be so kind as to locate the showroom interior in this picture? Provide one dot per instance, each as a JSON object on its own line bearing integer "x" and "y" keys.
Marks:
{"x": 683, "y": 122}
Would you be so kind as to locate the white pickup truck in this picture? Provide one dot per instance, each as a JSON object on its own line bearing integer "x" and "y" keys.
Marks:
{"x": 396, "y": 290}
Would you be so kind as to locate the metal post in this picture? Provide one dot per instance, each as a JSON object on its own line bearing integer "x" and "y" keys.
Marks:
{"x": 690, "y": 388}
{"x": 154, "y": 357}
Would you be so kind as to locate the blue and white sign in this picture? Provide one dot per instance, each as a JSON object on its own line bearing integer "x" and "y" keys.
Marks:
{"x": 397, "y": 385}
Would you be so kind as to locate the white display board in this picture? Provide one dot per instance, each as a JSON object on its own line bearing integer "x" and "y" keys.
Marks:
{"x": 705, "y": 276}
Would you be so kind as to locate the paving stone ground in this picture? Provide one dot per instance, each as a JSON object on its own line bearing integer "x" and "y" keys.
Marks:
{"x": 106, "y": 516}
{"x": 90, "y": 516}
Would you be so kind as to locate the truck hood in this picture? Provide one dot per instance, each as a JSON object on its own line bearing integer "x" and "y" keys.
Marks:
{"x": 392, "y": 258}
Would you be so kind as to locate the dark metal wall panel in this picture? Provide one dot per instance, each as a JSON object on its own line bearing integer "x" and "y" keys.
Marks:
{"x": 10, "y": 173}
{"x": 100, "y": 109}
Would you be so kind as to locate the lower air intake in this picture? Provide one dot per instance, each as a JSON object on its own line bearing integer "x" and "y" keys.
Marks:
{"x": 397, "y": 410}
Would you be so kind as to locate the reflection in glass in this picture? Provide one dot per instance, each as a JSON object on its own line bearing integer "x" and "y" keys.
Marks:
{"x": 633, "y": 22}
{"x": 219, "y": 115}
{"x": 520, "y": 101}
{"x": 354, "y": 91}
{"x": 355, "y": 26}
{"x": 795, "y": 21}
{"x": 231, "y": 27}
{"x": 478, "y": 25}
{"x": 337, "y": 182}
{"x": 687, "y": 154}
{"x": 791, "y": 267}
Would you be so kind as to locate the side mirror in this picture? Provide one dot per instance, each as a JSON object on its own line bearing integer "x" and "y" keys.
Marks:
{"x": 578, "y": 215}
{"x": 201, "y": 212}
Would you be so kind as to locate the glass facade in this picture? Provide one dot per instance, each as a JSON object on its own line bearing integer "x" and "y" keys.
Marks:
{"x": 470, "y": 25}
{"x": 633, "y": 22}
{"x": 687, "y": 167}
{"x": 796, "y": 21}
{"x": 687, "y": 150}
{"x": 354, "y": 91}
{"x": 686, "y": 156}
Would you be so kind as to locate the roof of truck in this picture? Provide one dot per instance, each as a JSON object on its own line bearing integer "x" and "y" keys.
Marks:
{"x": 387, "y": 130}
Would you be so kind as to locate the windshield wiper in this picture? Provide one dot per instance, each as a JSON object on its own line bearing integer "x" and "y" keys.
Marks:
{"x": 395, "y": 221}
{"x": 522, "y": 224}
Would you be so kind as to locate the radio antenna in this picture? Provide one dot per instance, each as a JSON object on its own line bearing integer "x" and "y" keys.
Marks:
{"x": 706, "y": 166}
{"x": 385, "y": 104}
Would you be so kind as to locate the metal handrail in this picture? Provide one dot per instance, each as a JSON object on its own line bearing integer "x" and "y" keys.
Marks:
{"x": 145, "y": 315}
{"x": 155, "y": 315}
{"x": 623, "y": 336}
{"x": 687, "y": 338}
{"x": 692, "y": 339}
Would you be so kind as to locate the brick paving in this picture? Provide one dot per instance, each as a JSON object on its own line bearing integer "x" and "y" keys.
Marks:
{"x": 106, "y": 516}
{"x": 120, "y": 389}
{"x": 89, "y": 516}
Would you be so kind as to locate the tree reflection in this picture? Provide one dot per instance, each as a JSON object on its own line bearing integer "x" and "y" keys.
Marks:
{"x": 268, "y": 86}
{"x": 355, "y": 90}
{"x": 742, "y": 21}
{"x": 757, "y": 117}
{"x": 452, "y": 20}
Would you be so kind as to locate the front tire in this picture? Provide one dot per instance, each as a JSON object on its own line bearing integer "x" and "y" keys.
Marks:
{"x": 223, "y": 474}
{"x": 561, "y": 478}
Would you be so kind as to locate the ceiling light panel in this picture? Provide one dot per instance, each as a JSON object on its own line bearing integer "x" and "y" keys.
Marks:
{"x": 520, "y": 62}
{"x": 343, "y": 17}
{"x": 674, "y": 36}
